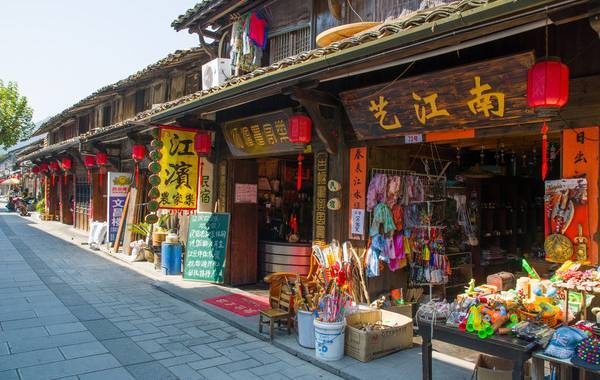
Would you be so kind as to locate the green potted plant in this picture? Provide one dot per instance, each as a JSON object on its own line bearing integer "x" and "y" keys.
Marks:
{"x": 159, "y": 234}
{"x": 145, "y": 230}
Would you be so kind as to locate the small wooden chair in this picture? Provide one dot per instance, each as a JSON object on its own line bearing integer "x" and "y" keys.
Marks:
{"x": 280, "y": 311}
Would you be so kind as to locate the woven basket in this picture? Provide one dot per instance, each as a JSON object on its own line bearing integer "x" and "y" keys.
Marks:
{"x": 549, "y": 321}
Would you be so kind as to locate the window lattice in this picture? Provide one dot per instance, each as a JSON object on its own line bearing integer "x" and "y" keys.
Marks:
{"x": 288, "y": 44}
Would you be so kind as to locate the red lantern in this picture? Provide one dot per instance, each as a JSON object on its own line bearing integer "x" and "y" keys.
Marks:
{"x": 35, "y": 170}
{"x": 300, "y": 131}
{"x": 89, "y": 162}
{"x": 203, "y": 143}
{"x": 43, "y": 167}
{"x": 547, "y": 92}
{"x": 138, "y": 152}
{"x": 54, "y": 167}
{"x": 102, "y": 161}
{"x": 66, "y": 165}
{"x": 548, "y": 86}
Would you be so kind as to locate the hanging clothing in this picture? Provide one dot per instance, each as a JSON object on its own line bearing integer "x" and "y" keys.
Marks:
{"x": 398, "y": 216}
{"x": 393, "y": 190}
{"x": 257, "y": 30}
{"x": 382, "y": 216}
{"x": 377, "y": 190}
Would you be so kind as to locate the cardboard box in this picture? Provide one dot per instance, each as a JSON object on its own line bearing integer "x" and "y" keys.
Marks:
{"x": 366, "y": 346}
{"x": 494, "y": 368}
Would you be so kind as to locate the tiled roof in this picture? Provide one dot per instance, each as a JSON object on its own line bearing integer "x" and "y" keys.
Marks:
{"x": 392, "y": 27}
{"x": 180, "y": 22}
{"x": 51, "y": 149}
{"x": 174, "y": 58}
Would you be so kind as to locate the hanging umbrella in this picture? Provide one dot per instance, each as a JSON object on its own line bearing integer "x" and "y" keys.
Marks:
{"x": 10, "y": 181}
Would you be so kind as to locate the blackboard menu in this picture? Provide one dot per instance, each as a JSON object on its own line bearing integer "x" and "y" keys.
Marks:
{"x": 206, "y": 247}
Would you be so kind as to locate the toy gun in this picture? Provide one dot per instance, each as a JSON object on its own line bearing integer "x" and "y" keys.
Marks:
{"x": 532, "y": 273}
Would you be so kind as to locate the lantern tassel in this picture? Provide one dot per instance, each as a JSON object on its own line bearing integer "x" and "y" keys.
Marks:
{"x": 137, "y": 174}
{"x": 201, "y": 173}
{"x": 89, "y": 177}
{"x": 544, "y": 151}
{"x": 52, "y": 179}
{"x": 299, "y": 183}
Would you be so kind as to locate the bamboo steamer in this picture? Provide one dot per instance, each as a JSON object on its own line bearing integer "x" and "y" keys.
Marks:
{"x": 338, "y": 33}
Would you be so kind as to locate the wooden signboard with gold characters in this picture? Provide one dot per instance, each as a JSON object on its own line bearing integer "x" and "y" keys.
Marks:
{"x": 260, "y": 135}
{"x": 482, "y": 94}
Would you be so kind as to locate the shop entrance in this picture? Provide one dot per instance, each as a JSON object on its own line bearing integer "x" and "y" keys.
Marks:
{"x": 271, "y": 217}
{"x": 483, "y": 216}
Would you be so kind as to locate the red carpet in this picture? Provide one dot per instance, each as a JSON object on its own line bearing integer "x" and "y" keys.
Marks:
{"x": 240, "y": 304}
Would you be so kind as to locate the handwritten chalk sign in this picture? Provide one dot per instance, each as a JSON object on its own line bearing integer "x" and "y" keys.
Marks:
{"x": 206, "y": 248}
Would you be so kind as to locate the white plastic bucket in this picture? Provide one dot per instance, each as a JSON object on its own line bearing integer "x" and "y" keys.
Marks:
{"x": 329, "y": 340}
{"x": 306, "y": 329}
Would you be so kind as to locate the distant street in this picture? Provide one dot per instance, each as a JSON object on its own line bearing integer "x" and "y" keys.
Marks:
{"x": 67, "y": 313}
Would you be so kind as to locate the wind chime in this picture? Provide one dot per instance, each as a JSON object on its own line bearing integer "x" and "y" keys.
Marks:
{"x": 138, "y": 152}
{"x": 300, "y": 130}
{"x": 66, "y": 165}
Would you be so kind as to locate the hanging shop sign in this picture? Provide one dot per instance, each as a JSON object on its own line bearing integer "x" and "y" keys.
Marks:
{"x": 483, "y": 94}
{"x": 205, "y": 193}
{"x": 358, "y": 188}
{"x": 178, "y": 173}
{"x": 206, "y": 248}
{"x": 580, "y": 157}
{"x": 320, "y": 219}
{"x": 118, "y": 186}
{"x": 334, "y": 186}
{"x": 260, "y": 135}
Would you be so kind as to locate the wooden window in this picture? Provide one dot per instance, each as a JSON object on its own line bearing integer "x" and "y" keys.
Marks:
{"x": 140, "y": 97}
{"x": 289, "y": 43}
{"x": 83, "y": 123}
{"x": 106, "y": 116}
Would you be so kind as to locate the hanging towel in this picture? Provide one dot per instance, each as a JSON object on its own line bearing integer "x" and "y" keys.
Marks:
{"x": 257, "y": 30}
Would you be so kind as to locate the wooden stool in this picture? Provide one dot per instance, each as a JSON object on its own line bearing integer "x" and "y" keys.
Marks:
{"x": 279, "y": 311}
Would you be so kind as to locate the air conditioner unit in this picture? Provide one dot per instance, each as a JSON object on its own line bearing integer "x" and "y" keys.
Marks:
{"x": 215, "y": 72}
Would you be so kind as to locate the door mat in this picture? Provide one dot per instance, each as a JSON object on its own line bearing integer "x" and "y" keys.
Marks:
{"x": 240, "y": 304}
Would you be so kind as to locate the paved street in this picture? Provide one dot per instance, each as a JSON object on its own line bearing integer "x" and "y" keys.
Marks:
{"x": 68, "y": 313}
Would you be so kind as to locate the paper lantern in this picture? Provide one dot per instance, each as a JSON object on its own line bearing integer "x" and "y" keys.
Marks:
{"x": 35, "y": 170}
{"x": 43, "y": 167}
{"x": 547, "y": 92}
{"x": 138, "y": 152}
{"x": 203, "y": 143}
{"x": 548, "y": 86}
{"x": 300, "y": 129}
{"x": 66, "y": 164}
{"x": 89, "y": 161}
{"x": 54, "y": 166}
{"x": 101, "y": 159}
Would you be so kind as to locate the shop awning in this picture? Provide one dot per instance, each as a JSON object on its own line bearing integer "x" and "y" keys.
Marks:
{"x": 417, "y": 37}
{"x": 52, "y": 149}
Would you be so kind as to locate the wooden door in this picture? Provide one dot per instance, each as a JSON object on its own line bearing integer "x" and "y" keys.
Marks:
{"x": 242, "y": 267}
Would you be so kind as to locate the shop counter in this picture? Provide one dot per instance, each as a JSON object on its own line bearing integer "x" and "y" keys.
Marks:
{"x": 504, "y": 346}
{"x": 284, "y": 257}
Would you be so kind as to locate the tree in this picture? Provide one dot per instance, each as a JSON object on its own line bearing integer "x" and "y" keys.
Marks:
{"x": 15, "y": 115}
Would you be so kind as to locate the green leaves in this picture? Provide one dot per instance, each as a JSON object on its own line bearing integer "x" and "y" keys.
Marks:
{"x": 15, "y": 115}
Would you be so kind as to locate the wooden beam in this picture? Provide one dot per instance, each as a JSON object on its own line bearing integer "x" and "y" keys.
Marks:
{"x": 314, "y": 101}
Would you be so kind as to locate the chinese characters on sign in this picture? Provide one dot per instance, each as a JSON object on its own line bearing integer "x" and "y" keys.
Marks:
{"x": 179, "y": 170}
{"x": 205, "y": 191}
{"x": 118, "y": 185}
{"x": 266, "y": 133}
{"x": 580, "y": 154}
{"x": 320, "y": 223}
{"x": 358, "y": 186}
{"x": 483, "y": 94}
{"x": 206, "y": 247}
{"x": 246, "y": 193}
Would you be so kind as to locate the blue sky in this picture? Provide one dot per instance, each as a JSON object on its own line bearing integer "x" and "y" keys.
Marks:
{"x": 61, "y": 51}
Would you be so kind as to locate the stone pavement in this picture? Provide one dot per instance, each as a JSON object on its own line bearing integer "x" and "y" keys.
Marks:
{"x": 68, "y": 313}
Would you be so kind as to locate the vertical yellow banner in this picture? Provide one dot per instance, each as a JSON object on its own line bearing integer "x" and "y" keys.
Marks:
{"x": 178, "y": 169}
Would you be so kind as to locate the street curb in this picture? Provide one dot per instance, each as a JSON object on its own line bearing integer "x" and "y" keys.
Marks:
{"x": 308, "y": 358}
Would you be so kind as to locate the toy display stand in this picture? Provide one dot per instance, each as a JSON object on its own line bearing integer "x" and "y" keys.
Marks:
{"x": 504, "y": 346}
{"x": 567, "y": 370}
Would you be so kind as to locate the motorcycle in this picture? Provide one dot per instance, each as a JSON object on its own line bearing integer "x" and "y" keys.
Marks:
{"x": 18, "y": 204}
